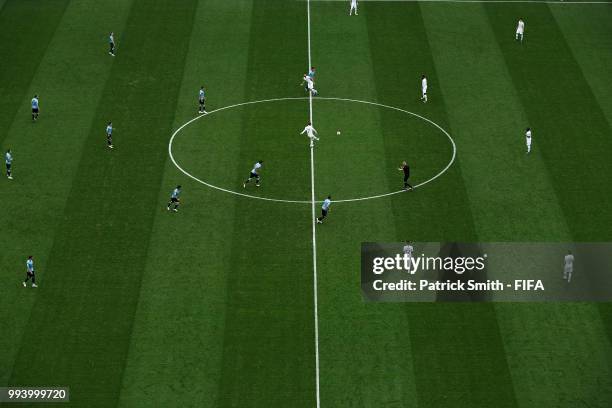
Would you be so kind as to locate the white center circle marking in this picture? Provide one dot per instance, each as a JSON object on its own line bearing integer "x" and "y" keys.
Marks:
{"x": 185, "y": 172}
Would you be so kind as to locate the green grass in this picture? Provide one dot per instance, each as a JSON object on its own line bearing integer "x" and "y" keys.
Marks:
{"x": 213, "y": 306}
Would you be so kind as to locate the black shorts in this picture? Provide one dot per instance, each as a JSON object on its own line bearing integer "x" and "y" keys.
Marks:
{"x": 8, "y": 166}
{"x": 34, "y": 110}
{"x": 30, "y": 274}
{"x": 253, "y": 175}
{"x": 202, "y": 101}
{"x": 406, "y": 177}
{"x": 324, "y": 213}
{"x": 174, "y": 200}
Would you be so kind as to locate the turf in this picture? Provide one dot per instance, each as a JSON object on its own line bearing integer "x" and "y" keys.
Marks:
{"x": 213, "y": 306}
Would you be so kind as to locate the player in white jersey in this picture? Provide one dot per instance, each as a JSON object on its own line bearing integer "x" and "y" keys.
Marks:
{"x": 408, "y": 248}
{"x": 568, "y": 267}
{"x": 528, "y": 139}
{"x": 424, "y": 88}
{"x": 254, "y": 174}
{"x": 311, "y": 132}
{"x": 520, "y": 30}
{"x": 310, "y": 85}
{"x": 353, "y": 8}
{"x": 111, "y": 44}
{"x": 305, "y": 81}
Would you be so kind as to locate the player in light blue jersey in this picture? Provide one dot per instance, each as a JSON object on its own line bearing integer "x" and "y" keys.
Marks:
{"x": 35, "y": 108}
{"x": 8, "y": 160}
{"x": 312, "y": 72}
{"x": 174, "y": 199}
{"x": 202, "y": 100}
{"x": 111, "y": 44}
{"x": 109, "y": 135}
{"x": 30, "y": 272}
{"x": 324, "y": 210}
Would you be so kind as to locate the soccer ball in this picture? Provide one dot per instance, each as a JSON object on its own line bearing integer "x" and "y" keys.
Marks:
{"x": 338, "y": 133}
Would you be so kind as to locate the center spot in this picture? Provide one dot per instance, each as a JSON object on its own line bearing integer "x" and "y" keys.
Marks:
{"x": 219, "y": 149}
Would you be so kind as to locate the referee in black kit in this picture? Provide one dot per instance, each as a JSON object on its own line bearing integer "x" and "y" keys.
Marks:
{"x": 406, "y": 169}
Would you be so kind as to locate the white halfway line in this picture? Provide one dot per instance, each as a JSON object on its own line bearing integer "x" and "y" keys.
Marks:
{"x": 314, "y": 227}
{"x": 347, "y": 200}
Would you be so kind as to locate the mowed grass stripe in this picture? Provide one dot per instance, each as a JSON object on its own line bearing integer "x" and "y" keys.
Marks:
{"x": 47, "y": 155}
{"x": 176, "y": 346}
{"x": 589, "y": 36}
{"x": 268, "y": 351}
{"x": 98, "y": 257}
{"x": 26, "y": 28}
{"x": 460, "y": 339}
{"x": 399, "y": 62}
{"x": 489, "y": 122}
{"x": 487, "y": 111}
{"x": 399, "y": 84}
{"x": 360, "y": 365}
{"x": 573, "y": 136}
{"x": 569, "y": 126}
{"x": 558, "y": 354}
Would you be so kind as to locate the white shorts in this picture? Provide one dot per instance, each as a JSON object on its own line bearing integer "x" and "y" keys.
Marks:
{"x": 528, "y": 142}
{"x": 519, "y": 32}
{"x": 424, "y": 91}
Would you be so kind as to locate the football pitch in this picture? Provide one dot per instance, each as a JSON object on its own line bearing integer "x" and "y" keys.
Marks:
{"x": 240, "y": 299}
